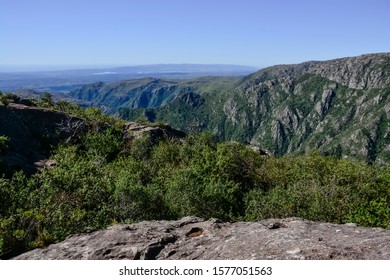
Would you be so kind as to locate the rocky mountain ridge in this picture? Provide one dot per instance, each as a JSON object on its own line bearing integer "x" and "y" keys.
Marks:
{"x": 324, "y": 105}
{"x": 361, "y": 72}
{"x": 341, "y": 107}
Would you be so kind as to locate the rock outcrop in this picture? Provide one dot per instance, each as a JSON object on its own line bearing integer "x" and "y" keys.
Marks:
{"x": 32, "y": 133}
{"x": 192, "y": 238}
{"x": 134, "y": 130}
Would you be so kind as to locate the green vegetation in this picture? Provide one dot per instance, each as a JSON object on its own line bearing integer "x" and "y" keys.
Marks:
{"x": 3, "y": 143}
{"x": 46, "y": 100}
{"x": 8, "y": 97}
{"x": 99, "y": 181}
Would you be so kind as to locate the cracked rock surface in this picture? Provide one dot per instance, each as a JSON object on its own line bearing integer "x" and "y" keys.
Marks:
{"x": 193, "y": 238}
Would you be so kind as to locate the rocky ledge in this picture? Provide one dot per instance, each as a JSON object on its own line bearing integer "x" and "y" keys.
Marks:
{"x": 32, "y": 133}
{"x": 194, "y": 238}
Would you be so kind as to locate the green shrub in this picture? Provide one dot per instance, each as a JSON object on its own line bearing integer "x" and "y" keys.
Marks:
{"x": 135, "y": 201}
{"x": 106, "y": 144}
{"x": 46, "y": 100}
{"x": 321, "y": 189}
{"x": 371, "y": 206}
{"x": 141, "y": 147}
{"x": 7, "y": 98}
{"x": 3, "y": 143}
{"x": 19, "y": 223}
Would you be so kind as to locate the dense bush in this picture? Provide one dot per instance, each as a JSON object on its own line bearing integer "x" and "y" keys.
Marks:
{"x": 97, "y": 183}
{"x": 3, "y": 143}
{"x": 319, "y": 188}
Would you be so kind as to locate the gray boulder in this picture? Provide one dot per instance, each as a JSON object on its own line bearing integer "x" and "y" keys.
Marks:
{"x": 192, "y": 238}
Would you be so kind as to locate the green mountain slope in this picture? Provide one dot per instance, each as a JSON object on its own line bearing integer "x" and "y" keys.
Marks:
{"x": 146, "y": 92}
{"x": 341, "y": 107}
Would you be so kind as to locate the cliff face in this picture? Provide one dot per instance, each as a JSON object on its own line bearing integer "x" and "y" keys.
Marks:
{"x": 194, "y": 239}
{"x": 147, "y": 92}
{"x": 341, "y": 107}
{"x": 140, "y": 93}
{"x": 361, "y": 72}
{"x": 32, "y": 132}
{"x": 365, "y": 72}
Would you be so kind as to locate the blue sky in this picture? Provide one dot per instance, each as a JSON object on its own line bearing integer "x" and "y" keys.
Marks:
{"x": 132, "y": 32}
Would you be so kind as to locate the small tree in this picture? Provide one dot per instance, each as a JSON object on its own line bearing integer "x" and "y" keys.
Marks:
{"x": 47, "y": 100}
{"x": 9, "y": 98}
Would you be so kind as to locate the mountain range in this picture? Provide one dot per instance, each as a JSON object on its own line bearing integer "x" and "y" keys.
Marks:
{"x": 340, "y": 107}
{"x": 60, "y": 81}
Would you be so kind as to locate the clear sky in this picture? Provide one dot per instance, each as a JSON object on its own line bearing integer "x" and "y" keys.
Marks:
{"x": 133, "y": 32}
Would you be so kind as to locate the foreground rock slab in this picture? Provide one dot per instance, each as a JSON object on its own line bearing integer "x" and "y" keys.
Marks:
{"x": 192, "y": 238}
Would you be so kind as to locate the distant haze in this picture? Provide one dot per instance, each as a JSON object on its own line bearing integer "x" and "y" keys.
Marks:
{"x": 39, "y": 68}
{"x": 69, "y": 79}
